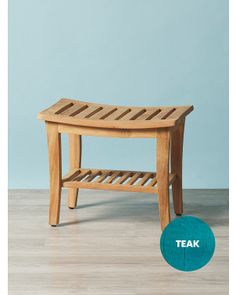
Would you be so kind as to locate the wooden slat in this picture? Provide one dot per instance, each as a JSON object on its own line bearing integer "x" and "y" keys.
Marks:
{"x": 74, "y": 110}
{"x": 106, "y": 112}
{"x": 134, "y": 114}
{"x": 124, "y": 177}
{"x": 62, "y": 109}
{"x": 113, "y": 177}
{"x": 83, "y": 174}
{"x": 91, "y": 110}
{"x": 72, "y": 174}
{"x": 177, "y": 113}
{"x": 103, "y": 176}
{"x": 92, "y": 176}
{"x": 164, "y": 113}
{"x": 134, "y": 178}
{"x": 60, "y": 106}
{"x": 149, "y": 114}
{"x": 153, "y": 182}
{"x": 144, "y": 179}
{"x": 119, "y": 113}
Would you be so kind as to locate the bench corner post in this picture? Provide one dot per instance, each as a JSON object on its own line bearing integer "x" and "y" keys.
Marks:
{"x": 176, "y": 167}
{"x": 162, "y": 174}
{"x": 54, "y": 155}
{"x": 75, "y": 151}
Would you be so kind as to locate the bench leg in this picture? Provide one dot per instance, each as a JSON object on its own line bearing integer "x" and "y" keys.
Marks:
{"x": 75, "y": 163}
{"x": 176, "y": 167}
{"x": 54, "y": 155}
{"x": 163, "y": 145}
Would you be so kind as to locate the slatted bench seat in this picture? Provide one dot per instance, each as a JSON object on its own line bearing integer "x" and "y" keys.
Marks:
{"x": 77, "y": 118}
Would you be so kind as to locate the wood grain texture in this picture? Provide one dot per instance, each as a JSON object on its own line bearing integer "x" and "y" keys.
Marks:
{"x": 54, "y": 156}
{"x": 107, "y": 132}
{"x": 162, "y": 175}
{"x": 177, "y": 138}
{"x": 75, "y": 151}
{"x": 109, "y": 245}
{"x": 79, "y": 113}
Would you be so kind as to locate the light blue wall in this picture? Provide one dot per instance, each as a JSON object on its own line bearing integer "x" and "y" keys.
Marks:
{"x": 130, "y": 52}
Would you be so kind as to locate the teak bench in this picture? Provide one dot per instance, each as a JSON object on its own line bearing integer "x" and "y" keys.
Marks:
{"x": 77, "y": 118}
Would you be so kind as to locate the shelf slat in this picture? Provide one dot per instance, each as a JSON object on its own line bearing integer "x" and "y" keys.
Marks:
{"x": 87, "y": 178}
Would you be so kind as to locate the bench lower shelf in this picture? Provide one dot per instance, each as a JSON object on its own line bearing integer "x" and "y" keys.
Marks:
{"x": 120, "y": 180}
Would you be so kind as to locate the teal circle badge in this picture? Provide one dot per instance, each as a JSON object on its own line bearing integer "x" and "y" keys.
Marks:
{"x": 187, "y": 243}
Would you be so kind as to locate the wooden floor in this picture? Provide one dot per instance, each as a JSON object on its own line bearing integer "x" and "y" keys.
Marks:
{"x": 108, "y": 245}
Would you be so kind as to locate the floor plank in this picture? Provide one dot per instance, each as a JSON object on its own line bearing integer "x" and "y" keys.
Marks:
{"x": 108, "y": 245}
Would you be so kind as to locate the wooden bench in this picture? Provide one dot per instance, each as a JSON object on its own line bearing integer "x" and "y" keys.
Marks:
{"x": 78, "y": 118}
